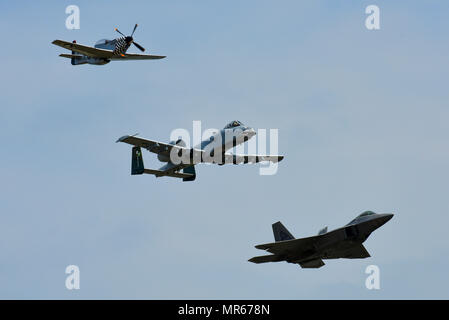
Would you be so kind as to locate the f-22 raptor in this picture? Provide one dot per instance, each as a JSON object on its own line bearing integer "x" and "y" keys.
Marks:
{"x": 345, "y": 242}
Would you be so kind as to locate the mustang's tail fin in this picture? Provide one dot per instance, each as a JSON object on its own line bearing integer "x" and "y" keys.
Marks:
{"x": 280, "y": 232}
{"x": 137, "y": 166}
{"x": 73, "y": 53}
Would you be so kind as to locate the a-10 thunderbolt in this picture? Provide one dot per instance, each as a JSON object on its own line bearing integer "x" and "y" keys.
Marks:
{"x": 181, "y": 160}
{"x": 104, "y": 51}
{"x": 345, "y": 242}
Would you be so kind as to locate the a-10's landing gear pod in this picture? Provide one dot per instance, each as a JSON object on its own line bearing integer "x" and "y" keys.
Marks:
{"x": 212, "y": 150}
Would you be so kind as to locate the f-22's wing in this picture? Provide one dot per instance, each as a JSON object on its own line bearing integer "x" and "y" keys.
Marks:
{"x": 357, "y": 251}
{"x": 294, "y": 245}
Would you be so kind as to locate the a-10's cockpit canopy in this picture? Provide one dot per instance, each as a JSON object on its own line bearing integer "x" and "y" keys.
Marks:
{"x": 366, "y": 213}
{"x": 233, "y": 124}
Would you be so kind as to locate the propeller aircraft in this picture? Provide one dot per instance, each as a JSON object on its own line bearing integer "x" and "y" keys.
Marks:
{"x": 104, "y": 51}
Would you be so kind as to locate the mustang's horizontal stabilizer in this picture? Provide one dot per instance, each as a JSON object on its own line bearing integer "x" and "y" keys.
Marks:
{"x": 70, "y": 56}
{"x": 191, "y": 171}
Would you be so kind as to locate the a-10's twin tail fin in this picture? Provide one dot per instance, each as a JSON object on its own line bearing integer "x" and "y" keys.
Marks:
{"x": 137, "y": 166}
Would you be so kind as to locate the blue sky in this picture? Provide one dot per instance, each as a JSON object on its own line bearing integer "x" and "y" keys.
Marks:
{"x": 362, "y": 118}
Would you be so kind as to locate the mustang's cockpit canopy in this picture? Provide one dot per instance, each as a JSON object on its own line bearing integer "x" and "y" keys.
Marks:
{"x": 102, "y": 41}
{"x": 233, "y": 124}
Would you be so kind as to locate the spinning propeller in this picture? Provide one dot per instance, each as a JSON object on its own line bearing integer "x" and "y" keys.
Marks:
{"x": 130, "y": 39}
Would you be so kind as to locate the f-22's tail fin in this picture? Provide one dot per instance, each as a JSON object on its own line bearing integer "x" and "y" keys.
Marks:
{"x": 281, "y": 233}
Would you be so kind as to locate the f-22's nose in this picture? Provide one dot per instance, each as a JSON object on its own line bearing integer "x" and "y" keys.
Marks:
{"x": 384, "y": 218}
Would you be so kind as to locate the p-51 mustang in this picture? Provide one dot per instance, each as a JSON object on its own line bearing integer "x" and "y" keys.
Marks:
{"x": 345, "y": 242}
{"x": 104, "y": 51}
{"x": 181, "y": 160}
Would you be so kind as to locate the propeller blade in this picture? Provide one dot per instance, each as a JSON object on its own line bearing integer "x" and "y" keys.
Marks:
{"x": 134, "y": 30}
{"x": 139, "y": 46}
{"x": 119, "y": 32}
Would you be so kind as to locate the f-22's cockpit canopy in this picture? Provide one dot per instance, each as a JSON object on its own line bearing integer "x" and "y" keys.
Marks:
{"x": 363, "y": 214}
{"x": 233, "y": 124}
{"x": 366, "y": 213}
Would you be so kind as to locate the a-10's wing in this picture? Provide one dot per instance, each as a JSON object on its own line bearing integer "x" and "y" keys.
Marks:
{"x": 136, "y": 56}
{"x": 86, "y": 50}
{"x": 153, "y": 146}
{"x": 238, "y": 159}
{"x": 166, "y": 149}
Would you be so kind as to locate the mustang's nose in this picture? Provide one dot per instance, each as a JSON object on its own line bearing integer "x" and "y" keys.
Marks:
{"x": 129, "y": 39}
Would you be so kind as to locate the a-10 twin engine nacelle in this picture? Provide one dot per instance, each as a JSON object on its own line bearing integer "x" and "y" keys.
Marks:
{"x": 166, "y": 158}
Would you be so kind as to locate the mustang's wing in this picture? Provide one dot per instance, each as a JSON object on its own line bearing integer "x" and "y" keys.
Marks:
{"x": 136, "y": 56}
{"x": 86, "y": 50}
{"x": 237, "y": 159}
{"x": 150, "y": 145}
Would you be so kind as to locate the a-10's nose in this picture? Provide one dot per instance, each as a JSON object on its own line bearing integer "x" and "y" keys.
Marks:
{"x": 249, "y": 132}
